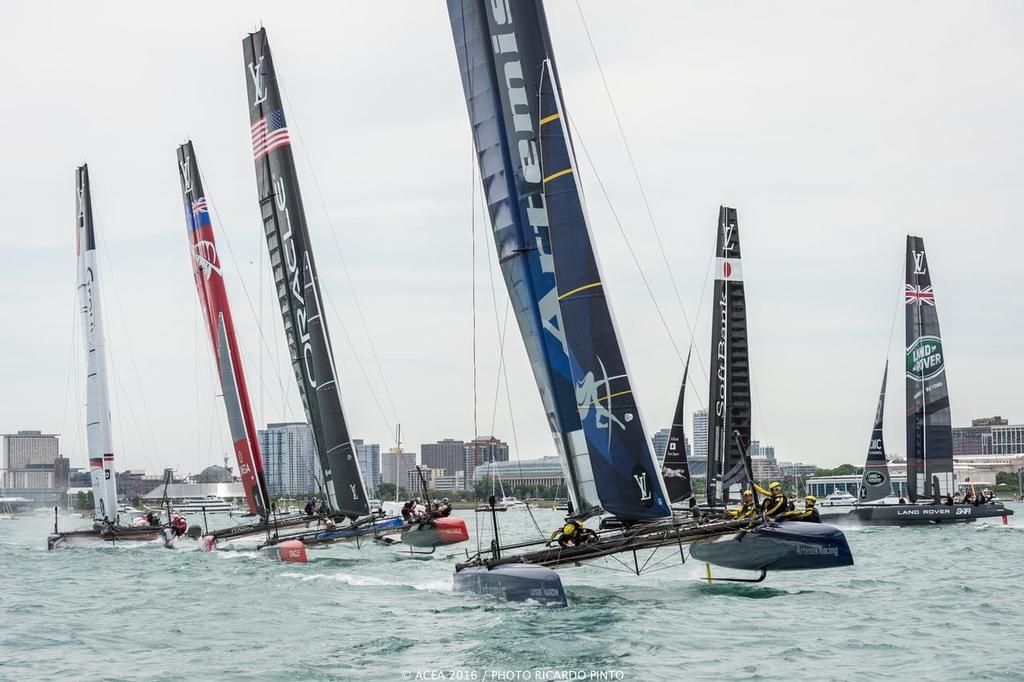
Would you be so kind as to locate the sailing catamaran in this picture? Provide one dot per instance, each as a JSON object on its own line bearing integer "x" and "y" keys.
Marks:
{"x": 547, "y": 256}
{"x": 775, "y": 546}
{"x": 930, "y": 477}
{"x": 106, "y": 523}
{"x": 298, "y": 287}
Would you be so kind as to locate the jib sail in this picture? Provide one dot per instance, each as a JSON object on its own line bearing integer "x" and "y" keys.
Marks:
{"x": 875, "y": 483}
{"x": 206, "y": 267}
{"x": 676, "y": 467}
{"x": 297, "y": 282}
{"x": 929, "y": 432}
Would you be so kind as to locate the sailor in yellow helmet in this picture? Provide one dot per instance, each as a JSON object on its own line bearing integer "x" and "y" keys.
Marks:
{"x": 746, "y": 509}
{"x": 809, "y": 513}
{"x": 776, "y": 503}
{"x": 572, "y": 533}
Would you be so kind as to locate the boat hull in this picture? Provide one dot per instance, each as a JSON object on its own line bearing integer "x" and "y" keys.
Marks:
{"x": 513, "y": 582}
{"x": 785, "y": 546}
{"x": 914, "y": 514}
{"x": 437, "y": 532}
{"x": 91, "y": 537}
{"x": 292, "y": 551}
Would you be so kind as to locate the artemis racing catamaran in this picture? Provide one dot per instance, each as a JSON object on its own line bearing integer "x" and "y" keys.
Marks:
{"x": 930, "y": 476}
{"x": 309, "y": 344}
{"x": 106, "y": 524}
{"x": 547, "y": 256}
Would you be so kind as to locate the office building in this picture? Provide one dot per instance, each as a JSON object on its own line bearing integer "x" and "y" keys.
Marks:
{"x": 546, "y": 471}
{"x": 395, "y": 465}
{"x": 29, "y": 459}
{"x": 700, "y": 434}
{"x": 289, "y": 457}
{"x": 368, "y": 456}
{"x": 448, "y": 454}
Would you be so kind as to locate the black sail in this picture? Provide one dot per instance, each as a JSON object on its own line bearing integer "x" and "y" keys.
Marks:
{"x": 676, "y": 468}
{"x": 929, "y": 432}
{"x": 876, "y": 483}
{"x": 297, "y": 282}
{"x": 729, "y": 399}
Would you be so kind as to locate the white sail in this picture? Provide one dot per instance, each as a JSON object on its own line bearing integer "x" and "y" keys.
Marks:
{"x": 97, "y": 402}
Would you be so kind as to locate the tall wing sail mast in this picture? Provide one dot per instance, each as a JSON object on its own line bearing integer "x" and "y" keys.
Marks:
{"x": 929, "y": 431}
{"x": 729, "y": 399}
{"x": 676, "y": 467}
{"x": 876, "y": 483}
{"x": 97, "y": 402}
{"x": 298, "y": 286}
{"x": 629, "y": 483}
{"x": 206, "y": 267}
{"x": 500, "y": 48}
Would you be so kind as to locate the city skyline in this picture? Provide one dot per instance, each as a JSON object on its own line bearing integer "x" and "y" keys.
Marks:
{"x": 827, "y": 183}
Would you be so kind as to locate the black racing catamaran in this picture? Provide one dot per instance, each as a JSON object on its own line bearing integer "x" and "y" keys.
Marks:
{"x": 772, "y": 545}
{"x": 548, "y": 259}
{"x": 931, "y": 483}
{"x": 309, "y": 343}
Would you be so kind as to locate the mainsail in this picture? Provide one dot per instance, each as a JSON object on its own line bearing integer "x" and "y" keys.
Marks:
{"x": 676, "y": 468}
{"x": 206, "y": 267}
{"x": 875, "y": 483}
{"x": 629, "y": 483}
{"x": 500, "y": 48}
{"x": 929, "y": 432}
{"x": 298, "y": 287}
{"x": 97, "y": 400}
{"x": 729, "y": 400}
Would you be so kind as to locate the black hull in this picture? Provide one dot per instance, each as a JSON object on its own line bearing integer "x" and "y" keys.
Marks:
{"x": 786, "y": 546}
{"x": 913, "y": 514}
{"x": 513, "y": 582}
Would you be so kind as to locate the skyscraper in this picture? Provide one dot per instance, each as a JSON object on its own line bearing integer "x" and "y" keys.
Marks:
{"x": 660, "y": 443}
{"x": 368, "y": 456}
{"x": 482, "y": 450}
{"x": 395, "y": 465}
{"x": 289, "y": 458}
{"x": 29, "y": 458}
{"x": 448, "y": 454}
{"x": 700, "y": 434}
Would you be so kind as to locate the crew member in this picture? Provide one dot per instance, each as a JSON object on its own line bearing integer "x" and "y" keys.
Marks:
{"x": 407, "y": 511}
{"x": 572, "y": 533}
{"x": 776, "y": 502}
{"x": 310, "y": 508}
{"x": 178, "y": 526}
{"x": 746, "y": 509}
{"x": 809, "y": 513}
{"x": 444, "y": 509}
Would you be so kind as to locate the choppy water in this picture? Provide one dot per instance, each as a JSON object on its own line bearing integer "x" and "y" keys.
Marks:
{"x": 924, "y": 603}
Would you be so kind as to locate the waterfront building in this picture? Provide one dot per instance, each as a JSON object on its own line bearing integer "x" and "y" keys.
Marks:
{"x": 659, "y": 441}
{"x": 448, "y": 454}
{"x": 700, "y": 434}
{"x": 546, "y": 471}
{"x": 450, "y": 483}
{"x": 483, "y": 450}
{"x": 414, "y": 483}
{"x": 29, "y": 459}
{"x": 289, "y": 458}
{"x": 368, "y": 456}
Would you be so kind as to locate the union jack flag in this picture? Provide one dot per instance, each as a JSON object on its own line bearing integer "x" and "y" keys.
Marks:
{"x": 199, "y": 206}
{"x": 269, "y": 133}
{"x": 919, "y": 295}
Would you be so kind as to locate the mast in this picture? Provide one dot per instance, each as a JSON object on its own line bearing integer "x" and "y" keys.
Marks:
{"x": 876, "y": 483}
{"x": 929, "y": 431}
{"x": 298, "y": 286}
{"x": 97, "y": 403}
{"x": 628, "y": 478}
{"x": 206, "y": 267}
{"x": 729, "y": 400}
{"x": 676, "y": 468}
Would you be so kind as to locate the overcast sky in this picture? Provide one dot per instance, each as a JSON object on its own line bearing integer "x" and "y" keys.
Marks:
{"x": 835, "y": 129}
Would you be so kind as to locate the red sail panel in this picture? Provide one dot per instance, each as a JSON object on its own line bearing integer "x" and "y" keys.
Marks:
{"x": 206, "y": 267}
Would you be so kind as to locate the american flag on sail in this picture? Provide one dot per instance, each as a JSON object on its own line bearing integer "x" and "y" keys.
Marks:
{"x": 919, "y": 295}
{"x": 269, "y": 133}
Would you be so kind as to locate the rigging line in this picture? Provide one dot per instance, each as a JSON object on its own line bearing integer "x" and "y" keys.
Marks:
{"x": 196, "y": 319}
{"x": 636, "y": 175}
{"x": 79, "y": 428}
{"x": 69, "y": 377}
{"x": 472, "y": 238}
{"x": 341, "y": 258}
{"x": 258, "y": 317}
{"x": 359, "y": 364}
{"x": 900, "y": 293}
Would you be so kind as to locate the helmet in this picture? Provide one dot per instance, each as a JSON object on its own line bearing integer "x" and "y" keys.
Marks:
{"x": 445, "y": 500}
{"x": 747, "y": 493}
{"x": 775, "y": 485}
{"x": 418, "y": 500}
{"x": 570, "y": 528}
{"x": 810, "y": 500}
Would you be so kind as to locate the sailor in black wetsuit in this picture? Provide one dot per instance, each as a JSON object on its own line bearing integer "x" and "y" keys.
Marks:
{"x": 407, "y": 511}
{"x": 809, "y": 513}
{"x": 776, "y": 504}
{"x": 444, "y": 509}
{"x": 310, "y": 508}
